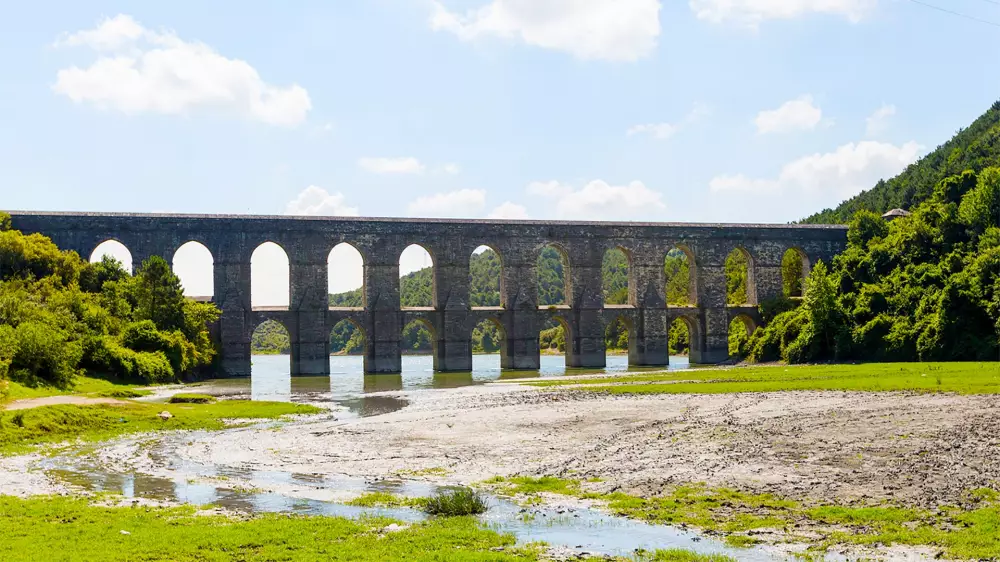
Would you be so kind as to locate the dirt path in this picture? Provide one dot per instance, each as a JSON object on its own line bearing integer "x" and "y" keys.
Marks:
{"x": 27, "y": 403}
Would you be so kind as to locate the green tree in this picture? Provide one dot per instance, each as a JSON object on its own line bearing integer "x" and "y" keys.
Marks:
{"x": 158, "y": 295}
{"x": 980, "y": 207}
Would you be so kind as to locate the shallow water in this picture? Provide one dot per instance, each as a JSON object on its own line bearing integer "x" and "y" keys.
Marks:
{"x": 348, "y": 387}
{"x": 308, "y": 494}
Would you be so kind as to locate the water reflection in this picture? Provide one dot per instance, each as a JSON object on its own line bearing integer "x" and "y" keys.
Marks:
{"x": 348, "y": 387}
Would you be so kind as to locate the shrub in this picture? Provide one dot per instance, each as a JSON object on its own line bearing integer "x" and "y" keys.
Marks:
{"x": 104, "y": 354}
{"x": 5, "y": 223}
{"x": 143, "y": 336}
{"x": 44, "y": 354}
{"x": 191, "y": 399}
{"x": 451, "y": 502}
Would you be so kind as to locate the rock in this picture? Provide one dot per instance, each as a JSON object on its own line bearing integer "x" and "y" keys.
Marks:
{"x": 394, "y": 528}
{"x": 165, "y": 415}
{"x": 124, "y": 532}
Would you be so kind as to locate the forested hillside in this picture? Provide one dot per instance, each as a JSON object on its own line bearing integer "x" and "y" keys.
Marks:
{"x": 974, "y": 148}
{"x": 924, "y": 287}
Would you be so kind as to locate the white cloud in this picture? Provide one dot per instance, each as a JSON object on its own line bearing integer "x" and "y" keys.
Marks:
{"x": 451, "y": 169}
{"x": 141, "y": 70}
{"x": 751, "y": 13}
{"x": 403, "y": 165}
{"x": 878, "y": 122}
{"x": 666, "y": 130}
{"x": 599, "y": 200}
{"x": 453, "y": 204}
{"x": 508, "y": 210}
{"x": 551, "y": 188}
{"x": 622, "y": 30}
{"x": 316, "y": 201}
{"x": 799, "y": 114}
{"x": 845, "y": 172}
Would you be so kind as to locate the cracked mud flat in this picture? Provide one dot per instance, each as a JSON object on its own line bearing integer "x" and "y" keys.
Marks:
{"x": 833, "y": 447}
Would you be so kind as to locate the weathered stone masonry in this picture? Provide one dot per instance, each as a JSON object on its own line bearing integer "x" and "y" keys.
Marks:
{"x": 308, "y": 242}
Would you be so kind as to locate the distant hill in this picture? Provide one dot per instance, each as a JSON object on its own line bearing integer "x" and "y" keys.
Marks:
{"x": 973, "y": 148}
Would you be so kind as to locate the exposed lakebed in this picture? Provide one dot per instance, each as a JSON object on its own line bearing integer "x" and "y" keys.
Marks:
{"x": 155, "y": 467}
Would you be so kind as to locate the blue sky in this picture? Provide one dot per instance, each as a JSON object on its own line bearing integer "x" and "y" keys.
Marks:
{"x": 700, "y": 110}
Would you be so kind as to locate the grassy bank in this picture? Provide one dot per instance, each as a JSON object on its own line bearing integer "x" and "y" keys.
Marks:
{"x": 83, "y": 386}
{"x": 50, "y": 528}
{"x": 969, "y": 531}
{"x": 21, "y": 429}
{"x": 963, "y": 378}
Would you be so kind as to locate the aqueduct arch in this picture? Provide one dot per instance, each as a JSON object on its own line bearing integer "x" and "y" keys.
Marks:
{"x": 309, "y": 319}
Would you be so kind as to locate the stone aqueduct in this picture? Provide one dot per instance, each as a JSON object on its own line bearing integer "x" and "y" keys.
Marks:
{"x": 308, "y": 241}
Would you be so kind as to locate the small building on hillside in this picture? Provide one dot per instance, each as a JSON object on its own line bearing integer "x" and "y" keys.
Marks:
{"x": 895, "y": 214}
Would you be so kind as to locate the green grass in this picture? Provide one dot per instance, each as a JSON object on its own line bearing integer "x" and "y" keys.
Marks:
{"x": 455, "y": 502}
{"x": 385, "y": 499}
{"x": 528, "y": 485}
{"x": 45, "y": 529}
{"x": 123, "y": 393}
{"x": 81, "y": 386}
{"x": 972, "y": 533}
{"x": 190, "y": 398}
{"x": 679, "y": 555}
{"x": 962, "y": 378}
{"x": 21, "y": 429}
